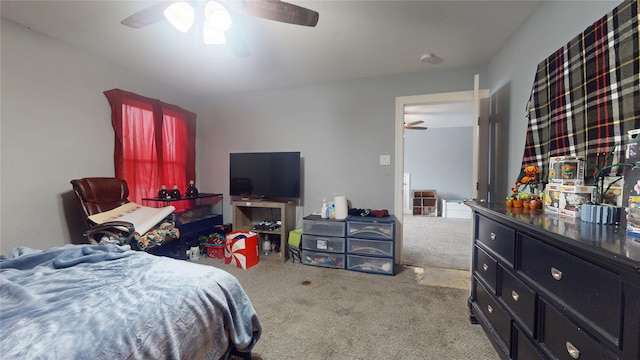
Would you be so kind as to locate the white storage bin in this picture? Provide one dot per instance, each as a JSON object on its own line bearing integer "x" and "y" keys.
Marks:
{"x": 455, "y": 209}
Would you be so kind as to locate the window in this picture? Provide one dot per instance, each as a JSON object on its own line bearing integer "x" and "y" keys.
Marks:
{"x": 154, "y": 144}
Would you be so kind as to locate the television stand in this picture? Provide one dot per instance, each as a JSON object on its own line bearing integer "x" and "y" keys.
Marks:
{"x": 248, "y": 214}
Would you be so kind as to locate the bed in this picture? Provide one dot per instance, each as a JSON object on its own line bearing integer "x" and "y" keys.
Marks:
{"x": 110, "y": 302}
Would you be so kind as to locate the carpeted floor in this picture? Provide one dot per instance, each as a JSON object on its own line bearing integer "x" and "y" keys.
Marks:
{"x": 437, "y": 242}
{"x": 310, "y": 312}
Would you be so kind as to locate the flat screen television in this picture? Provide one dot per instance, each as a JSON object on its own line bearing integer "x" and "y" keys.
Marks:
{"x": 265, "y": 175}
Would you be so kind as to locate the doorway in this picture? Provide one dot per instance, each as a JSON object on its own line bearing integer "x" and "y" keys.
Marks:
{"x": 480, "y": 147}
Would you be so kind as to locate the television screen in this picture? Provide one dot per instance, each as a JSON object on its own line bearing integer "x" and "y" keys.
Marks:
{"x": 268, "y": 175}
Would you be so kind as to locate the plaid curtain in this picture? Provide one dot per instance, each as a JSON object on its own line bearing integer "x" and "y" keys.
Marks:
{"x": 586, "y": 95}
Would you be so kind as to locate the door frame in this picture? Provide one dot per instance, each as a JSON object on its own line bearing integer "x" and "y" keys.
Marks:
{"x": 480, "y": 147}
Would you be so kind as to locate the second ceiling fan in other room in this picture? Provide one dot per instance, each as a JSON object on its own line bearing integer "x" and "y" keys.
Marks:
{"x": 217, "y": 17}
{"x": 412, "y": 125}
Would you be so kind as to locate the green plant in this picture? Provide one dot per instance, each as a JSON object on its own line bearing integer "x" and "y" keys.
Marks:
{"x": 526, "y": 184}
{"x": 600, "y": 166}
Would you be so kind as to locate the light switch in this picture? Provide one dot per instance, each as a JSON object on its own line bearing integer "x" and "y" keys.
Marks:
{"x": 385, "y": 159}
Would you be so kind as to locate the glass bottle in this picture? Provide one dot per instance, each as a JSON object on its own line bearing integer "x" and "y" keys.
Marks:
{"x": 191, "y": 190}
{"x": 162, "y": 194}
{"x": 175, "y": 193}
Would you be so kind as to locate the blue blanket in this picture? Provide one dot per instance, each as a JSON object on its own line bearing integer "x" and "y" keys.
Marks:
{"x": 109, "y": 302}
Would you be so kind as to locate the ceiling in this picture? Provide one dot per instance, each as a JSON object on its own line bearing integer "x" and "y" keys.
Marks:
{"x": 353, "y": 39}
{"x": 445, "y": 115}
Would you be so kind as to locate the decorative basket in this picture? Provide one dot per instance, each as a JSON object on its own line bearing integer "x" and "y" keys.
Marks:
{"x": 215, "y": 251}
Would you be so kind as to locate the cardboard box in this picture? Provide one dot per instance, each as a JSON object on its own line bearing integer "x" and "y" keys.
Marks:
{"x": 632, "y": 150}
{"x": 241, "y": 248}
{"x": 552, "y": 198}
{"x": 572, "y": 198}
{"x": 613, "y": 189}
{"x": 632, "y": 194}
{"x": 566, "y": 170}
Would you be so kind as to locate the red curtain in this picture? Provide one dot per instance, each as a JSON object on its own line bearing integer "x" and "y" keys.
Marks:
{"x": 154, "y": 144}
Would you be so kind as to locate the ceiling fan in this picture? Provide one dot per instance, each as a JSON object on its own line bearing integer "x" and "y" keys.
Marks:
{"x": 412, "y": 125}
{"x": 217, "y": 18}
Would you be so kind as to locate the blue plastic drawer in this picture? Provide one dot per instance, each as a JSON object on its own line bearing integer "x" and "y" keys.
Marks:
{"x": 371, "y": 264}
{"x": 315, "y": 258}
{"x": 383, "y": 230}
{"x": 323, "y": 243}
{"x": 314, "y": 225}
{"x": 370, "y": 247}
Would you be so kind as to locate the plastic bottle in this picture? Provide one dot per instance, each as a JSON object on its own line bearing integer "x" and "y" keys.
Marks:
{"x": 175, "y": 193}
{"x": 323, "y": 211}
{"x": 266, "y": 245}
{"x": 191, "y": 190}
{"x": 162, "y": 194}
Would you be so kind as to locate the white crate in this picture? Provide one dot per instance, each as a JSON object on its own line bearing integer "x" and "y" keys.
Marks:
{"x": 455, "y": 209}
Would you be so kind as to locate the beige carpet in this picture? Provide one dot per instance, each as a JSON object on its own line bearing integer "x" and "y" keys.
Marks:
{"x": 310, "y": 312}
{"x": 437, "y": 242}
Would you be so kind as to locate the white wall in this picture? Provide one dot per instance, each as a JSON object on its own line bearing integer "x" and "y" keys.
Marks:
{"x": 440, "y": 159}
{"x": 512, "y": 71}
{"x": 56, "y": 126}
{"x": 341, "y": 129}
{"x": 56, "y": 122}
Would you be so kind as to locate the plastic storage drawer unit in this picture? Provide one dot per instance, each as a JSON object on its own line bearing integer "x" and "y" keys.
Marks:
{"x": 371, "y": 229}
{"x": 332, "y": 260}
{"x": 370, "y": 247}
{"x": 370, "y": 264}
{"x": 323, "y": 243}
{"x": 314, "y": 224}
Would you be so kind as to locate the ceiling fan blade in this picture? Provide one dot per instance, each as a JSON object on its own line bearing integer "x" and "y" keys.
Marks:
{"x": 276, "y": 10}
{"x": 147, "y": 16}
{"x": 411, "y": 123}
{"x": 416, "y": 128}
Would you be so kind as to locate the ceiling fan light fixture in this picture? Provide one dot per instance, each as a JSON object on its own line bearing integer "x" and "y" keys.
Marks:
{"x": 181, "y": 15}
{"x": 211, "y": 36}
{"x": 217, "y": 17}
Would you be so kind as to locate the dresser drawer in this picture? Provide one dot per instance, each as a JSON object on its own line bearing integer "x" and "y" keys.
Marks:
{"x": 371, "y": 229}
{"x": 566, "y": 340}
{"x": 323, "y": 227}
{"x": 370, "y": 247}
{"x": 590, "y": 291}
{"x": 519, "y": 299}
{"x": 497, "y": 237}
{"x": 323, "y": 243}
{"x": 486, "y": 268}
{"x": 498, "y": 319}
{"x": 525, "y": 350}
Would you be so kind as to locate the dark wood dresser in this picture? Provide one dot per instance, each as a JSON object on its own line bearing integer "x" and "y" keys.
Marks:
{"x": 552, "y": 287}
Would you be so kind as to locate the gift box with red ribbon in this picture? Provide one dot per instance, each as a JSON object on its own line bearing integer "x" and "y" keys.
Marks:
{"x": 241, "y": 248}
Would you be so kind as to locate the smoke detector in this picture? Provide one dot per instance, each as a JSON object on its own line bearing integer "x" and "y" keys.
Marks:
{"x": 430, "y": 58}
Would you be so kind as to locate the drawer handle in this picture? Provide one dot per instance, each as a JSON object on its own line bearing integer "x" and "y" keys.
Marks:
{"x": 572, "y": 350}
{"x": 515, "y": 295}
{"x": 485, "y": 267}
{"x": 490, "y": 309}
{"x": 492, "y": 236}
{"x": 556, "y": 274}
